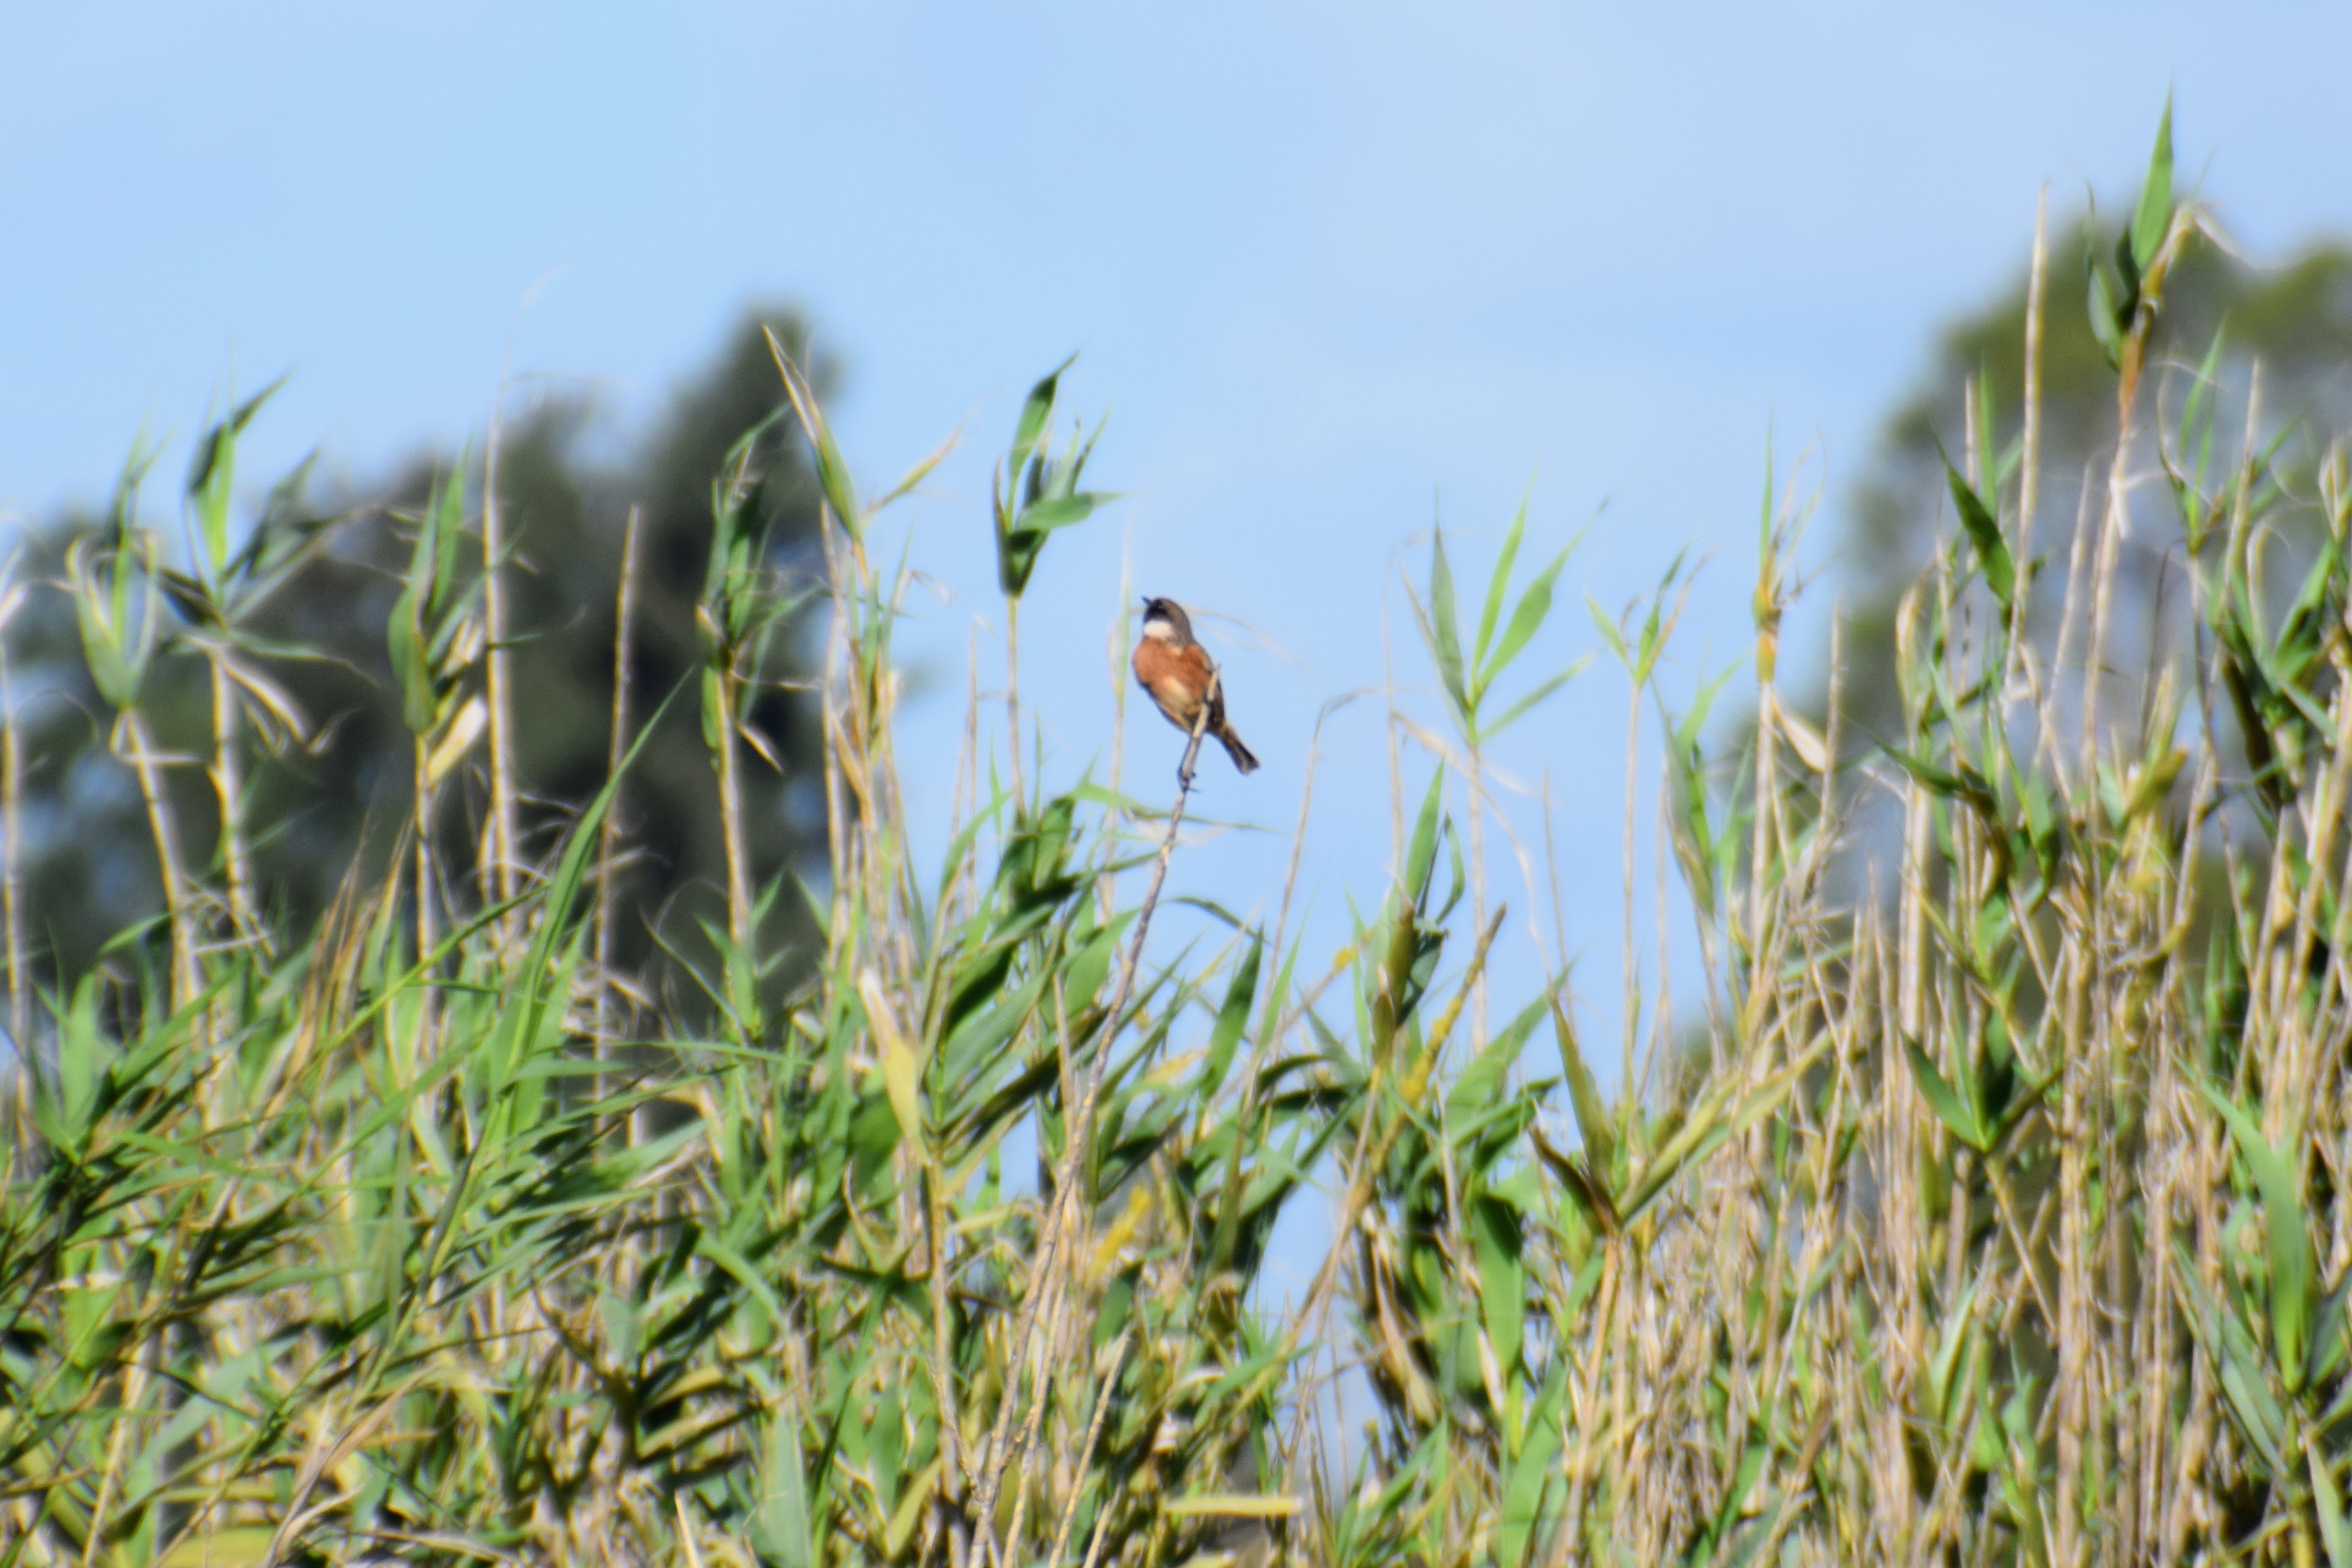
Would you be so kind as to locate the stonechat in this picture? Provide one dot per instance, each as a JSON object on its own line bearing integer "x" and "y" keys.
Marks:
{"x": 1176, "y": 671}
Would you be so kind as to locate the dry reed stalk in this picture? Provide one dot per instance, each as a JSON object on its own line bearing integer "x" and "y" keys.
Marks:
{"x": 12, "y": 830}
{"x": 734, "y": 835}
{"x": 1473, "y": 798}
{"x": 2029, "y": 484}
{"x": 1013, "y": 700}
{"x": 725, "y": 734}
{"x": 893, "y": 866}
{"x": 830, "y": 720}
{"x": 136, "y": 744}
{"x": 2115, "y": 518}
{"x": 2051, "y": 751}
{"x": 1661, "y": 1015}
{"x": 226, "y": 776}
{"x": 608, "y": 837}
{"x": 1087, "y": 1450}
{"x": 500, "y": 874}
{"x": 427, "y": 881}
{"x": 1631, "y": 998}
{"x": 957, "y": 899}
{"x": 1551, "y": 868}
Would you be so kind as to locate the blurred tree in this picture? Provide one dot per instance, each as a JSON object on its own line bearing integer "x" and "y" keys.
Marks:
{"x": 335, "y": 797}
{"x": 2295, "y": 320}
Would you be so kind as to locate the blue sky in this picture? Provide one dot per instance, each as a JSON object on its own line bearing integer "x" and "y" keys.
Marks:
{"x": 1330, "y": 267}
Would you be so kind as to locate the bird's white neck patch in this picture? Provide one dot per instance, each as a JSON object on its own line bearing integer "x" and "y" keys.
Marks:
{"x": 1160, "y": 629}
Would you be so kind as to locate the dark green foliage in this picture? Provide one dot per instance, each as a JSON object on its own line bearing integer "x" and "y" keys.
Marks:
{"x": 323, "y": 573}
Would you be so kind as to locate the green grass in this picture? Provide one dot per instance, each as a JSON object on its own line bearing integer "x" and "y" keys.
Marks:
{"x": 1994, "y": 1219}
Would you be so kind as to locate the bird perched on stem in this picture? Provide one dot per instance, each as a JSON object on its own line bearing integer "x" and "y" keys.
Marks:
{"x": 1178, "y": 673}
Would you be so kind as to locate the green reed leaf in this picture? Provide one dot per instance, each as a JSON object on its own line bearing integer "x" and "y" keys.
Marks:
{"x": 1984, "y": 537}
{"x": 1445, "y": 642}
{"x": 2153, "y": 217}
{"x": 1499, "y": 581}
{"x": 2294, "y": 1266}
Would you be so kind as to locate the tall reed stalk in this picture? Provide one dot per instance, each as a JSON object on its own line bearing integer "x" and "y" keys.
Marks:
{"x": 12, "y": 822}
{"x": 502, "y": 864}
{"x": 608, "y": 844}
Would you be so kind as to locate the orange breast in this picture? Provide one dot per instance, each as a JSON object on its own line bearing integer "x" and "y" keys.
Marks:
{"x": 1176, "y": 677}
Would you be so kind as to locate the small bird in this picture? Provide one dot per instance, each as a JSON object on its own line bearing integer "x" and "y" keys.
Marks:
{"x": 1176, "y": 670}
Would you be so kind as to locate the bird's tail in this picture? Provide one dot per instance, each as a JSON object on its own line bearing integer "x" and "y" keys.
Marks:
{"x": 1235, "y": 749}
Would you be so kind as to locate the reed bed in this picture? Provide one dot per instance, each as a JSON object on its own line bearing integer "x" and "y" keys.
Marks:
{"x": 1992, "y": 1212}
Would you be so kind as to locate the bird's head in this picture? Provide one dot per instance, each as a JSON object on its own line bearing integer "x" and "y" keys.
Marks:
{"x": 1165, "y": 620}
